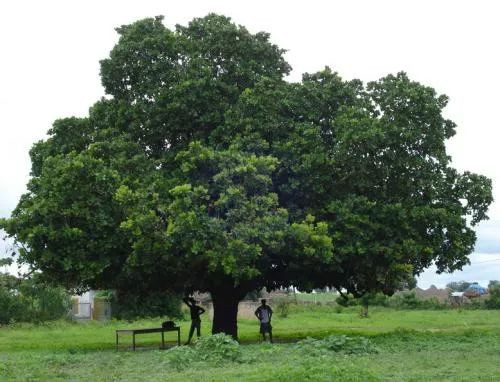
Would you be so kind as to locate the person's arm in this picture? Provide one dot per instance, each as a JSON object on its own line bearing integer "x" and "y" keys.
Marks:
{"x": 257, "y": 313}
{"x": 186, "y": 301}
{"x": 270, "y": 312}
{"x": 201, "y": 310}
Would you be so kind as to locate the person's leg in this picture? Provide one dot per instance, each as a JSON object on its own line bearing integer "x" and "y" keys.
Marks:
{"x": 191, "y": 331}
{"x": 270, "y": 334}
{"x": 198, "y": 329}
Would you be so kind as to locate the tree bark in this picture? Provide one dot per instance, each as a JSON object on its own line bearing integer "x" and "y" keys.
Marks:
{"x": 225, "y": 304}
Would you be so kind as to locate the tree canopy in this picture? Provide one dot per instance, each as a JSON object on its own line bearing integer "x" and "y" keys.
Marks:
{"x": 203, "y": 169}
{"x": 458, "y": 286}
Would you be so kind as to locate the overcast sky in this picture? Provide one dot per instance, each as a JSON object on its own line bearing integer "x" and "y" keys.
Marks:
{"x": 50, "y": 52}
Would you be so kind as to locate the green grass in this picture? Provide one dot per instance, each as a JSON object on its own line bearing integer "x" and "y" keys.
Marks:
{"x": 413, "y": 346}
{"x": 323, "y": 297}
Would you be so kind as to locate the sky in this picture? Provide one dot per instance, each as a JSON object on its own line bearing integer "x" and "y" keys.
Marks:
{"x": 50, "y": 52}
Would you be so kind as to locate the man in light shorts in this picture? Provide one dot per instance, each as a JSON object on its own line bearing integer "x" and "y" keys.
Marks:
{"x": 264, "y": 314}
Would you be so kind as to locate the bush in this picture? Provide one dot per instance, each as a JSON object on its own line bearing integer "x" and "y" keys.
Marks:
{"x": 349, "y": 301}
{"x": 283, "y": 308}
{"x": 11, "y": 307}
{"x": 369, "y": 299}
{"x": 130, "y": 306}
{"x": 493, "y": 302}
{"x": 336, "y": 344}
{"x": 216, "y": 349}
{"x": 379, "y": 299}
{"x": 31, "y": 300}
{"x": 253, "y": 295}
{"x": 404, "y": 300}
{"x": 409, "y": 300}
{"x": 433, "y": 303}
{"x": 181, "y": 357}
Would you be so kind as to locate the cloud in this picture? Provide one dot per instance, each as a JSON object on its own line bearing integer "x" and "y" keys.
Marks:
{"x": 488, "y": 240}
{"x": 485, "y": 261}
{"x": 483, "y": 268}
{"x": 9, "y": 196}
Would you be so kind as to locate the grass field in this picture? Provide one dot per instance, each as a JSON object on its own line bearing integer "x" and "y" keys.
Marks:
{"x": 411, "y": 346}
{"x": 322, "y": 297}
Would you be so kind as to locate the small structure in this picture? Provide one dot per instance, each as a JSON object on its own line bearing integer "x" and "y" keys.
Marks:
{"x": 475, "y": 290}
{"x": 89, "y": 306}
{"x": 457, "y": 298}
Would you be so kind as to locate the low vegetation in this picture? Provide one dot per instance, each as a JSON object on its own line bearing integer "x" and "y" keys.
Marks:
{"x": 30, "y": 300}
{"x": 406, "y": 300}
{"x": 313, "y": 343}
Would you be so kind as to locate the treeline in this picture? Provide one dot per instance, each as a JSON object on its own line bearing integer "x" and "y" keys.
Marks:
{"x": 493, "y": 302}
{"x": 131, "y": 306}
{"x": 403, "y": 300}
{"x": 409, "y": 300}
{"x": 31, "y": 300}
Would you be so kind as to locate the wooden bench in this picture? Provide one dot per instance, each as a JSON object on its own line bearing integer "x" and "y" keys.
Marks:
{"x": 134, "y": 332}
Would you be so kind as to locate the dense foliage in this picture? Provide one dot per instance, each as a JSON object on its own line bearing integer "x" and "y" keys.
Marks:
{"x": 403, "y": 300}
{"x": 30, "y": 300}
{"x": 458, "y": 286}
{"x": 129, "y": 306}
{"x": 493, "y": 302}
{"x": 204, "y": 170}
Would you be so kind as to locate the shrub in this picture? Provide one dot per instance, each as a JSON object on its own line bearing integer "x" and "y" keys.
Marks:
{"x": 409, "y": 300}
{"x": 404, "y": 300}
{"x": 379, "y": 299}
{"x": 338, "y": 344}
{"x": 368, "y": 299}
{"x": 433, "y": 303}
{"x": 31, "y": 300}
{"x": 283, "y": 308}
{"x": 253, "y": 295}
{"x": 129, "y": 306}
{"x": 493, "y": 302}
{"x": 349, "y": 301}
{"x": 181, "y": 357}
{"x": 216, "y": 349}
{"x": 10, "y": 307}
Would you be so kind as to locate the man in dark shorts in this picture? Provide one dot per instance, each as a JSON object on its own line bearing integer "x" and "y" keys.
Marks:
{"x": 264, "y": 314}
{"x": 196, "y": 311}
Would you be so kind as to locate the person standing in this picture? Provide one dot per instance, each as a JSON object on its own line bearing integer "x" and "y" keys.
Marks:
{"x": 264, "y": 314}
{"x": 196, "y": 311}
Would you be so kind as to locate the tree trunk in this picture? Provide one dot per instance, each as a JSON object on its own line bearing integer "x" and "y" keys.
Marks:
{"x": 225, "y": 312}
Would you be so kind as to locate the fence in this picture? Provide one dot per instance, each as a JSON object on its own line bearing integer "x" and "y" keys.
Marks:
{"x": 81, "y": 310}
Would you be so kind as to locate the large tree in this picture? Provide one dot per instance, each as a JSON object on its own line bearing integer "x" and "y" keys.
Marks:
{"x": 204, "y": 170}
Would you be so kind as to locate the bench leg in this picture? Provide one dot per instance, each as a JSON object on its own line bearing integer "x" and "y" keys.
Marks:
{"x": 178, "y": 337}
{"x": 162, "y": 340}
{"x": 116, "y": 341}
{"x": 133, "y": 341}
